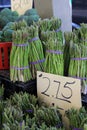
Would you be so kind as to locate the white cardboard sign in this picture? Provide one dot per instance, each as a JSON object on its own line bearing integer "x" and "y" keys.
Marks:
{"x": 21, "y": 5}
{"x": 60, "y": 91}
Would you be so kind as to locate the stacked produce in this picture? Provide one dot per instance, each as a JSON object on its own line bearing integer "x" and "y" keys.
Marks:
{"x": 23, "y": 112}
{"x": 29, "y": 16}
{"x": 77, "y": 56}
{"x": 6, "y": 16}
{"x": 77, "y": 118}
{"x": 85, "y": 126}
{"x": 66, "y": 55}
{"x": 19, "y": 66}
{"x": 48, "y": 25}
{"x": 83, "y": 34}
{"x": 6, "y": 32}
{"x": 36, "y": 55}
{"x": 44, "y": 25}
{"x": 52, "y": 39}
{"x": 54, "y": 57}
{"x": 19, "y": 25}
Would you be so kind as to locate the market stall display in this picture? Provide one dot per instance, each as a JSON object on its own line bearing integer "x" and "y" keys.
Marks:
{"x": 40, "y": 45}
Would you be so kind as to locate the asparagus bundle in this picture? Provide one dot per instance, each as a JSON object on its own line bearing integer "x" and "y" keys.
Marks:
{"x": 19, "y": 24}
{"x": 55, "y": 24}
{"x": 46, "y": 35}
{"x": 50, "y": 116}
{"x": 77, "y": 118}
{"x": 19, "y": 66}
{"x": 77, "y": 58}
{"x": 83, "y": 34}
{"x": 85, "y": 126}
{"x": 55, "y": 35}
{"x": 66, "y": 55}
{"x": 49, "y": 24}
{"x": 36, "y": 55}
{"x": 44, "y": 25}
{"x": 74, "y": 68}
{"x": 54, "y": 57}
{"x": 53, "y": 28}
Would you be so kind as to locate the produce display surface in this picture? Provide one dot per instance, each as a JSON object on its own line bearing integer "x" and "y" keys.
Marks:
{"x": 84, "y": 100}
{"x": 29, "y": 86}
{"x": 11, "y": 87}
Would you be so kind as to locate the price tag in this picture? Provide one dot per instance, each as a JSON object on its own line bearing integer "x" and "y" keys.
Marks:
{"x": 60, "y": 91}
{"x": 21, "y": 5}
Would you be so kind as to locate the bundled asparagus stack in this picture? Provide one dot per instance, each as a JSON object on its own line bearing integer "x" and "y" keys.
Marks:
{"x": 48, "y": 28}
{"x": 20, "y": 24}
{"x": 77, "y": 118}
{"x": 54, "y": 57}
{"x": 75, "y": 63}
{"x": 52, "y": 39}
{"x": 66, "y": 54}
{"x": 83, "y": 34}
{"x": 44, "y": 25}
{"x": 19, "y": 66}
{"x": 77, "y": 57}
{"x": 47, "y": 25}
{"x": 36, "y": 55}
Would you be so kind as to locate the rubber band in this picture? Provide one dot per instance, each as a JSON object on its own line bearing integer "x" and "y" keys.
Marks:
{"x": 21, "y": 123}
{"x": 84, "y": 78}
{"x": 20, "y": 68}
{"x": 38, "y": 61}
{"x": 73, "y": 128}
{"x": 77, "y": 129}
{"x": 29, "y": 110}
{"x": 84, "y": 40}
{"x": 59, "y": 125}
{"x": 33, "y": 39}
{"x": 84, "y": 58}
{"x": 59, "y": 29}
{"x": 20, "y": 45}
{"x": 55, "y": 52}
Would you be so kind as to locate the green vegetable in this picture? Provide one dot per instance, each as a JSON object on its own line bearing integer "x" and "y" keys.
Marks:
{"x": 75, "y": 54}
{"x": 77, "y": 118}
{"x": 6, "y": 16}
{"x": 36, "y": 55}
{"x": 29, "y": 16}
{"x": 55, "y": 23}
{"x": 54, "y": 51}
{"x": 9, "y": 25}
{"x": 7, "y": 31}
{"x": 68, "y": 38}
{"x": 85, "y": 126}
{"x": 19, "y": 66}
{"x": 32, "y": 18}
{"x": 7, "y": 35}
{"x": 31, "y": 12}
{"x": 3, "y": 21}
{"x": 20, "y": 24}
{"x": 0, "y": 36}
{"x": 21, "y": 18}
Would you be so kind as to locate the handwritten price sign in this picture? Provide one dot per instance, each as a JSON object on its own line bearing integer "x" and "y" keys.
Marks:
{"x": 60, "y": 91}
{"x": 21, "y": 5}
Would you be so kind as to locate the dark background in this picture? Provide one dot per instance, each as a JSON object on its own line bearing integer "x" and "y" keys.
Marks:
{"x": 79, "y": 11}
